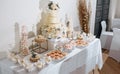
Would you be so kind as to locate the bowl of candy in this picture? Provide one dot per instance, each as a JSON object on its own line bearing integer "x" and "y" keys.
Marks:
{"x": 68, "y": 47}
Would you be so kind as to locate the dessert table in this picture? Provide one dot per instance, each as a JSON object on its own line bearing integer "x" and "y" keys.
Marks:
{"x": 81, "y": 60}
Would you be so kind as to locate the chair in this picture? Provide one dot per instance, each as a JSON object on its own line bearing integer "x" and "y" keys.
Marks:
{"x": 115, "y": 23}
{"x": 115, "y": 45}
{"x": 106, "y": 37}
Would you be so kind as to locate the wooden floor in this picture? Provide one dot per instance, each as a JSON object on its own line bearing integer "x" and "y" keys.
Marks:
{"x": 110, "y": 66}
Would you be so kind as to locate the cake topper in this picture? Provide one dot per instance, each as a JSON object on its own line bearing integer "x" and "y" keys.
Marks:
{"x": 53, "y": 6}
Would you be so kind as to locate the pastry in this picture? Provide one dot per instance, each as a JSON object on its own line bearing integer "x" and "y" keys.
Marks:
{"x": 73, "y": 43}
{"x": 81, "y": 42}
{"x": 80, "y": 38}
{"x": 34, "y": 57}
{"x": 40, "y": 39}
{"x": 56, "y": 54}
{"x": 68, "y": 46}
{"x": 39, "y": 65}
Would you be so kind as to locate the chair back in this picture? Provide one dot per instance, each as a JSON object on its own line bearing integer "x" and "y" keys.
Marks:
{"x": 115, "y": 45}
{"x": 115, "y": 23}
{"x": 103, "y": 24}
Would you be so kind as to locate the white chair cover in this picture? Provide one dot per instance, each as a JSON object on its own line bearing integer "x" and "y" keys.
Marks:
{"x": 103, "y": 24}
{"x": 115, "y": 23}
{"x": 106, "y": 37}
{"x": 115, "y": 45}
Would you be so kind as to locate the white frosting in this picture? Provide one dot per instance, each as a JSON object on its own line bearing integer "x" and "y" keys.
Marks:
{"x": 52, "y": 16}
{"x": 52, "y": 28}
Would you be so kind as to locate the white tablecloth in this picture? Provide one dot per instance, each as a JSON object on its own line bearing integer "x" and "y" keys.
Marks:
{"x": 79, "y": 61}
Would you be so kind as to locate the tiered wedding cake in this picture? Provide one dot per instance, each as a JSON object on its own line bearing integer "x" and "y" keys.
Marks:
{"x": 52, "y": 28}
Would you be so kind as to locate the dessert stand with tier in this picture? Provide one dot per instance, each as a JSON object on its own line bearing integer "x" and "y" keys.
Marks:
{"x": 37, "y": 44}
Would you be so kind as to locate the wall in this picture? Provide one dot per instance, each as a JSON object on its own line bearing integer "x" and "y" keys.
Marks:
{"x": 23, "y": 12}
{"x": 27, "y": 12}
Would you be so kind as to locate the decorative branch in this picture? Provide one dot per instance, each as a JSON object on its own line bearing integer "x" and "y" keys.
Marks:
{"x": 84, "y": 16}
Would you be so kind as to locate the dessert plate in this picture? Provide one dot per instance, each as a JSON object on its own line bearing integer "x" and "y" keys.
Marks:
{"x": 56, "y": 55}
